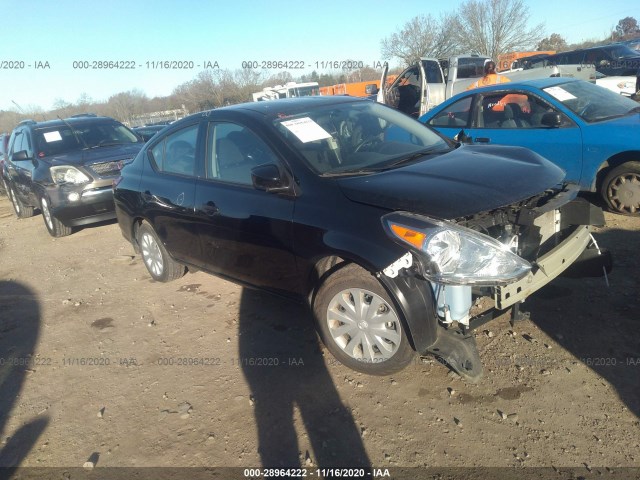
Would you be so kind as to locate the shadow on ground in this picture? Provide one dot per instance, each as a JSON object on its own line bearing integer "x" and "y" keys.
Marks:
{"x": 19, "y": 330}
{"x": 600, "y": 326}
{"x": 285, "y": 369}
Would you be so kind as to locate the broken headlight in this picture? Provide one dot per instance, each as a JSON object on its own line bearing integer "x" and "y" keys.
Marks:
{"x": 455, "y": 255}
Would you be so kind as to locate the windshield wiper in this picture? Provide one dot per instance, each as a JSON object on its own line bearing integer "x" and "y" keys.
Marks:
{"x": 373, "y": 169}
{"x": 100, "y": 145}
{"x": 355, "y": 171}
{"x": 414, "y": 156}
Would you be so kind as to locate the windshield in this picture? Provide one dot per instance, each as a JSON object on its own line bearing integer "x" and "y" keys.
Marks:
{"x": 62, "y": 139}
{"x": 622, "y": 51}
{"x": 358, "y": 137}
{"x": 592, "y": 102}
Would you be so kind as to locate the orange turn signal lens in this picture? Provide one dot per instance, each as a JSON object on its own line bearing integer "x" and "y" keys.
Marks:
{"x": 412, "y": 237}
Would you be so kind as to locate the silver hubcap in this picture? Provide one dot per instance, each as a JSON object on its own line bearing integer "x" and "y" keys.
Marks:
{"x": 624, "y": 193}
{"x": 151, "y": 254}
{"x": 47, "y": 214}
{"x": 15, "y": 201}
{"x": 363, "y": 325}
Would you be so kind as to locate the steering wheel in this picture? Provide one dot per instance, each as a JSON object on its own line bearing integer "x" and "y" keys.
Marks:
{"x": 366, "y": 141}
{"x": 585, "y": 109}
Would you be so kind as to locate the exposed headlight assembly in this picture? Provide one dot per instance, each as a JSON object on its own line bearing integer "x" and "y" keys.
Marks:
{"x": 455, "y": 255}
{"x": 68, "y": 174}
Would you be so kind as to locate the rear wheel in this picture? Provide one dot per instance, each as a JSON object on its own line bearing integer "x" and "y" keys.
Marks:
{"x": 359, "y": 323}
{"x": 22, "y": 211}
{"x": 159, "y": 263}
{"x": 55, "y": 227}
{"x": 621, "y": 189}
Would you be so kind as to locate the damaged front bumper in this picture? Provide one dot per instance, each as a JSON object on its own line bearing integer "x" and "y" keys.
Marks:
{"x": 556, "y": 240}
{"x": 546, "y": 268}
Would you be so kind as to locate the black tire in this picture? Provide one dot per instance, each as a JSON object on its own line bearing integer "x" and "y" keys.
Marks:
{"x": 159, "y": 263}
{"x": 388, "y": 349}
{"x": 54, "y": 226}
{"x": 22, "y": 211}
{"x": 621, "y": 189}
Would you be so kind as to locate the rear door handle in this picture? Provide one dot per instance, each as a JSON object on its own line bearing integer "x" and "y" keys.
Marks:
{"x": 482, "y": 140}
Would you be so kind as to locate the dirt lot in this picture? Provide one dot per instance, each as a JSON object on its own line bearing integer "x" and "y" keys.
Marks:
{"x": 124, "y": 371}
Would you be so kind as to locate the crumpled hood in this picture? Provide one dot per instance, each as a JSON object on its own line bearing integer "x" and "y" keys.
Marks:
{"x": 465, "y": 181}
{"x": 96, "y": 155}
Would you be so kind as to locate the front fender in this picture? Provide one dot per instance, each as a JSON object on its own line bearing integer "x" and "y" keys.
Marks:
{"x": 415, "y": 300}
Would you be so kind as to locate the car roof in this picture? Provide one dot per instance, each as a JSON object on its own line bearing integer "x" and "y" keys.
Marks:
{"x": 284, "y": 106}
{"x": 72, "y": 121}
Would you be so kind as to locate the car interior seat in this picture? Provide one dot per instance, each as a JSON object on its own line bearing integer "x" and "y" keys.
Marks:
{"x": 230, "y": 162}
{"x": 508, "y": 121}
{"x": 518, "y": 115}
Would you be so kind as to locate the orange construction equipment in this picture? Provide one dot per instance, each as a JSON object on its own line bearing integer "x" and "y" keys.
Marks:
{"x": 355, "y": 89}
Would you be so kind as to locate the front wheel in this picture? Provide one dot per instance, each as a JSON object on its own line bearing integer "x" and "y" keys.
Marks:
{"x": 359, "y": 323}
{"x": 621, "y": 189}
{"x": 22, "y": 210}
{"x": 159, "y": 263}
{"x": 55, "y": 227}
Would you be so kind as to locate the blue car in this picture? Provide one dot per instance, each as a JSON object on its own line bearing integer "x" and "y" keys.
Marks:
{"x": 589, "y": 131}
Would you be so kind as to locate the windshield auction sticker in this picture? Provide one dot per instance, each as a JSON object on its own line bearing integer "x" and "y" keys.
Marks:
{"x": 306, "y": 129}
{"x": 52, "y": 136}
{"x": 559, "y": 93}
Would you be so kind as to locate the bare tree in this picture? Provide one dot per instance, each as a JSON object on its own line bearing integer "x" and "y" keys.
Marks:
{"x": 124, "y": 105}
{"x": 422, "y": 36}
{"x": 492, "y": 27}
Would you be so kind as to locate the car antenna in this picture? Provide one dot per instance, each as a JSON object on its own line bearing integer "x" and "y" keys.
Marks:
{"x": 79, "y": 138}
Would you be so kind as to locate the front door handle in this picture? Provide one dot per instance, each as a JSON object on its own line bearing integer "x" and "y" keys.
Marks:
{"x": 210, "y": 209}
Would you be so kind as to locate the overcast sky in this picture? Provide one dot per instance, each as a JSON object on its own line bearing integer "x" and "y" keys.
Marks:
{"x": 142, "y": 33}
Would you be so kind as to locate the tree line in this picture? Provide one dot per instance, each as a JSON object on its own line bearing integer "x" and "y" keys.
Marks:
{"x": 487, "y": 27}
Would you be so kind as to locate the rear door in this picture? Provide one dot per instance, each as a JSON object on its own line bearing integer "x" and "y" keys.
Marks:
{"x": 168, "y": 189}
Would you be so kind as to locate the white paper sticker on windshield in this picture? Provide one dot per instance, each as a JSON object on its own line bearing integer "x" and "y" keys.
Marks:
{"x": 52, "y": 136}
{"x": 306, "y": 129}
{"x": 559, "y": 93}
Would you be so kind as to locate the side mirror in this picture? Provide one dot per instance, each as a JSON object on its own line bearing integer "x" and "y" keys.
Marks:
{"x": 371, "y": 89}
{"x": 268, "y": 178}
{"x": 21, "y": 155}
{"x": 551, "y": 119}
{"x": 463, "y": 138}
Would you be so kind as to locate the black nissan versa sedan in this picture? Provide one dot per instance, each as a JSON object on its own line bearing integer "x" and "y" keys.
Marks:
{"x": 66, "y": 169}
{"x": 390, "y": 231}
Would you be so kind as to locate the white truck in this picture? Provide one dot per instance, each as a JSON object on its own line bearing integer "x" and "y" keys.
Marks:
{"x": 288, "y": 90}
{"x": 431, "y": 81}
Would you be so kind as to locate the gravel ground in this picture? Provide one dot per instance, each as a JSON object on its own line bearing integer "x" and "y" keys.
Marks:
{"x": 118, "y": 370}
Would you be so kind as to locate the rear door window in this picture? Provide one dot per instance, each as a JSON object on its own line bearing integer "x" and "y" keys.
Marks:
{"x": 175, "y": 154}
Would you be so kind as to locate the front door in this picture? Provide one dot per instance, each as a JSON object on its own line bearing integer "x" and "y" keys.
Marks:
{"x": 245, "y": 233}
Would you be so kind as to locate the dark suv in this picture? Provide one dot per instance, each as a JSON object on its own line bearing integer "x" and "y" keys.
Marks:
{"x": 66, "y": 168}
{"x": 616, "y": 59}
